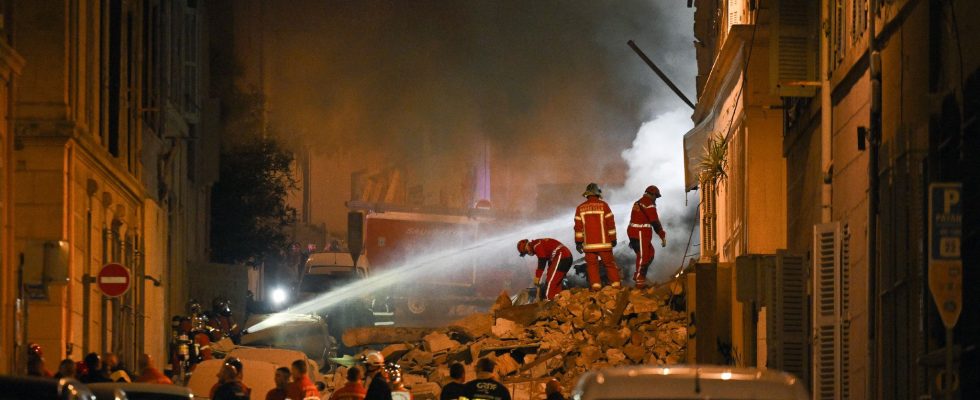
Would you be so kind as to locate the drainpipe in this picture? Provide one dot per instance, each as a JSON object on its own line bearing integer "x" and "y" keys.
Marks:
{"x": 874, "y": 143}
{"x": 826, "y": 126}
{"x": 87, "y": 278}
{"x": 104, "y": 316}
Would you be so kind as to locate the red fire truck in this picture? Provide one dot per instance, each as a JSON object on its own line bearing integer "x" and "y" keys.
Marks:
{"x": 423, "y": 248}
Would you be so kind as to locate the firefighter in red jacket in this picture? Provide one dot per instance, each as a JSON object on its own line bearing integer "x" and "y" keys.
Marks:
{"x": 595, "y": 235}
{"x": 643, "y": 223}
{"x": 552, "y": 254}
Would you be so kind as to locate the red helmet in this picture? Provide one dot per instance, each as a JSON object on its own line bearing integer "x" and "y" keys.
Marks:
{"x": 522, "y": 247}
{"x": 653, "y": 191}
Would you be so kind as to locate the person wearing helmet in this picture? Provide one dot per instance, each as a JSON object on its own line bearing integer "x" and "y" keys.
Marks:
{"x": 222, "y": 322}
{"x": 230, "y": 384}
{"x": 376, "y": 381}
{"x": 398, "y": 389}
{"x": 551, "y": 254}
{"x": 595, "y": 235}
{"x": 35, "y": 361}
{"x": 644, "y": 221}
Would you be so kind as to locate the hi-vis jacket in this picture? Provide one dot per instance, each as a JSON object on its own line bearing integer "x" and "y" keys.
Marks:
{"x": 595, "y": 227}
{"x": 548, "y": 250}
{"x": 644, "y": 216}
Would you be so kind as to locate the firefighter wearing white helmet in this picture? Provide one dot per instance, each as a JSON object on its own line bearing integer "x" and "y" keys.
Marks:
{"x": 375, "y": 377}
{"x": 644, "y": 221}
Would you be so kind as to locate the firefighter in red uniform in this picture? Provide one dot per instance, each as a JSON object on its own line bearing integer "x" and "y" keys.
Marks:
{"x": 550, "y": 253}
{"x": 595, "y": 235}
{"x": 643, "y": 223}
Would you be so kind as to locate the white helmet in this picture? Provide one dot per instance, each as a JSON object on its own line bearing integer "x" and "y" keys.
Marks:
{"x": 374, "y": 358}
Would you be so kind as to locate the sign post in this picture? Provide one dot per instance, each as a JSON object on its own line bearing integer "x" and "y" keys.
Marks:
{"x": 945, "y": 263}
{"x": 114, "y": 280}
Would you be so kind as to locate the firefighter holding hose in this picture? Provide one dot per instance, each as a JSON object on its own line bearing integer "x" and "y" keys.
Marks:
{"x": 644, "y": 221}
{"x": 595, "y": 235}
{"x": 551, "y": 254}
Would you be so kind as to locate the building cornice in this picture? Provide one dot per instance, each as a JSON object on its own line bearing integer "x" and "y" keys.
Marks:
{"x": 11, "y": 61}
{"x": 721, "y": 71}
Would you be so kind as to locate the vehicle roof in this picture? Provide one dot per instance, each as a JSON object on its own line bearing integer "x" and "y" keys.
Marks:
{"x": 421, "y": 217}
{"x": 32, "y": 387}
{"x": 173, "y": 390}
{"x": 318, "y": 261}
{"x": 679, "y": 382}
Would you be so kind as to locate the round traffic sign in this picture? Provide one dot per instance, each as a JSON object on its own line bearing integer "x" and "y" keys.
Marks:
{"x": 114, "y": 280}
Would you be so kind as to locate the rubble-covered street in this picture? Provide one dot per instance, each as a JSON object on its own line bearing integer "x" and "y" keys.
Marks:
{"x": 578, "y": 331}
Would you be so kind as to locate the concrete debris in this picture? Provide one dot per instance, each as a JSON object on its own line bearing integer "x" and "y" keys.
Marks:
{"x": 506, "y": 329}
{"x": 578, "y": 331}
{"x": 438, "y": 341}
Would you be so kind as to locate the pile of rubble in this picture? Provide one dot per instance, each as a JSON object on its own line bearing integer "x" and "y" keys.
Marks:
{"x": 578, "y": 331}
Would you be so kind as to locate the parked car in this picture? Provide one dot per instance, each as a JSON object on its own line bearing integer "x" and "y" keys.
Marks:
{"x": 30, "y": 388}
{"x": 688, "y": 382}
{"x": 139, "y": 391}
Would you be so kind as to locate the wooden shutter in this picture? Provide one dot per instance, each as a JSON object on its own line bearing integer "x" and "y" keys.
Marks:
{"x": 830, "y": 328}
{"x": 845, "y": 317}
{"x": 787, "y": 317}
{"x": 794, "y": 47}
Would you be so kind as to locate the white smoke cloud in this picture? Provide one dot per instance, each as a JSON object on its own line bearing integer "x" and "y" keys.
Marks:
{"x": 657, "y": 158}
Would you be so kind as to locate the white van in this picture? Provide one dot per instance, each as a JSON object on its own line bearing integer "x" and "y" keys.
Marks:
{"x": 688, "y": 382}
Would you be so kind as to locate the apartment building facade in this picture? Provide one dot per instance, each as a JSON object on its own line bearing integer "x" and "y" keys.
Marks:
{"x": 112, "y": 164}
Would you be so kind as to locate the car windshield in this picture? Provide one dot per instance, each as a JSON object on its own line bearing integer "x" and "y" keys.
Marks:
{"x": 320, "y": 283}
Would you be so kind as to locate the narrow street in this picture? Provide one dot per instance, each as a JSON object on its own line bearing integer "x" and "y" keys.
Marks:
{"x": 489, "y": 200}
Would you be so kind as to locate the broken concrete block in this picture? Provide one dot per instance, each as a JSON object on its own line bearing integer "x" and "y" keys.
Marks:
{"x": 505, "y": 328}
{"x": 611, "y": 338}
{"x": 506, "y": 364}
{"x": 503, "y": 301}
{"x": 395, "y": 351}
{"x": 411, "y": 380}
{"x": 642, "y": 303}
{"x": 589, "y": 355}
{"x": 592, "y": 313}
{"x": 460, "y": 354}
{"x": 474, "y": 326}
{"x": 635, "y": 353}
{"x": 615, "y": 356}
{"x": 438, "y": 341}
{"x": 418, "y": 356}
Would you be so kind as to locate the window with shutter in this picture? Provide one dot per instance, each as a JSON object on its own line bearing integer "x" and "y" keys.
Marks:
{"x": 787, "y": 325}
{"x": 830, "y": 327}
{"x": 793, "y": 49}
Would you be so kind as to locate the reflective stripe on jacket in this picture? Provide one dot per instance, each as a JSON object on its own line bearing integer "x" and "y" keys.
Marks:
{"x": 595, "y": 226}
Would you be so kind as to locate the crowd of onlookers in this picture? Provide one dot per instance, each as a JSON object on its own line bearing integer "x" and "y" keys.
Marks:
{"x": 94, "y": 368}
{"x": 375, "y": 381}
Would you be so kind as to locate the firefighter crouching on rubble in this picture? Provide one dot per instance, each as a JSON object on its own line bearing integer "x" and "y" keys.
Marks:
{"x": 595, "y": 235}
{"x": 485, "y": 387}
{"x": 644, "y": 221}
{"x": 376, "y": 381}
{"x": 551, "y": 254}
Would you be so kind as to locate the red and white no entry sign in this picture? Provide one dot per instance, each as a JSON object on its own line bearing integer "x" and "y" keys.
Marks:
{"x": 114, "y": 280}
